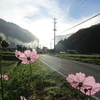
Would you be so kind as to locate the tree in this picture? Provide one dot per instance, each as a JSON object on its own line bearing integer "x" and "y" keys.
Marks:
{"x": 0, "y": 38}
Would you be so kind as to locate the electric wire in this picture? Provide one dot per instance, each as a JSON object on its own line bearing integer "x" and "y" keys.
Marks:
{"x": 74, "y": 25}
{"x": 78, "y": 6}
{"x": 81, "y": 23}
{"x": 77, "y": 25}
{"x": 73, "y": 9}
{"x": 66, "y": 8}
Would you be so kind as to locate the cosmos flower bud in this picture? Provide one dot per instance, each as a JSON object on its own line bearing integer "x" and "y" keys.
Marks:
{"x": 5, "y": 43}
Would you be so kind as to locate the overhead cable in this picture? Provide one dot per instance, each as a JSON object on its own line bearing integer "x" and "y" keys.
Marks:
{"x": 65, "y": 9}
{"x": 81, "y": 23}
{"x": 74, "y": 8}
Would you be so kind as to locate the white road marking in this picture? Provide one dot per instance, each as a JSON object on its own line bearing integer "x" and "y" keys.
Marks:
{"x": 54, "y": 69}
{"x": 93, "y": 96}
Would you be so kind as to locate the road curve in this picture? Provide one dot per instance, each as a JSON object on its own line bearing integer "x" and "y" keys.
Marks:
{"x": 65, "y": 67}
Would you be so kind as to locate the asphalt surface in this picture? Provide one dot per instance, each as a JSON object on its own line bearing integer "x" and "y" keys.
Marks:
{"x": 65, "y": 67}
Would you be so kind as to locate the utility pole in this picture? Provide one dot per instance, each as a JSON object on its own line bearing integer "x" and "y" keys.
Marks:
{"x": 54, "y": 32}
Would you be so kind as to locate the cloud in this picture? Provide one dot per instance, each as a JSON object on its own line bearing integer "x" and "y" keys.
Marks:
{"x": 3, "y": 36}
{"x": 18, "y": 42}
{"x": 15, "y": 10}
{"x": 36, "y": 16}
{"x": 30, "y": 13}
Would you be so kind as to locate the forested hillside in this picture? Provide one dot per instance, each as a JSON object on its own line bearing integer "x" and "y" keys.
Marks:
{"x": 84, "y": 41}
{"x": 14, "y": 31}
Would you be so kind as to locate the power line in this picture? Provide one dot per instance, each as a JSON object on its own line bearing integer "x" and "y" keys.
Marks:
{"x": 63, "y": 35}
{"x": 78, "y": 6}
{"x": 74, "y": 8}
{"x": 81, "y": 22}
{"x": 76, "y": 25}
{"x": 66, "y": 8}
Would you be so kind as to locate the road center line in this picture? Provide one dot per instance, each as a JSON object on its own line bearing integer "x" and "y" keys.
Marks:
{"x": 95, "y": 97}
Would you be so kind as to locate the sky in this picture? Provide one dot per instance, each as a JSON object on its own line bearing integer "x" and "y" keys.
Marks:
{"x": 37, "y": 16}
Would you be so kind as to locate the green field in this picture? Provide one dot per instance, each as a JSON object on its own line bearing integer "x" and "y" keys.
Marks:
{"x": 93, "y": 59}
{"x": 44, "y": 84}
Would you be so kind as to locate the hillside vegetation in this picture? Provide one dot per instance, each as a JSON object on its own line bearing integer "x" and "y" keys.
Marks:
{"x": 84, "y": 41}
{"x": 15, "y": 31}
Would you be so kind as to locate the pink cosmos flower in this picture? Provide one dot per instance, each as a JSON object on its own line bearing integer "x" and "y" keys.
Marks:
{"x": 36, "y": 54}
{"x": 92, "y": 90}
{"x": 5, "y": 77}
{"x": 17, "y": 53}
{"x": 80, "y": 81}
{"x": 22, "y": 98}
{"x": 28, "y": 57}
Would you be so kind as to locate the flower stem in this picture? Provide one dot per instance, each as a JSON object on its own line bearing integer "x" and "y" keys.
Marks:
{"x": 90, "y": 94}
{"x": 79, "y": 92}
{"x": 1, "y": 74}
{"x": 31, "y": 71}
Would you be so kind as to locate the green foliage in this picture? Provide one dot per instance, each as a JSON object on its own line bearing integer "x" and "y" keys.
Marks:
{"x": 9, "y": 56}
{"x": 93, "y": 59}
{"x": 8, "y": 66}
{"x": 14, "y": 31}
{"x": 85, "y": 41}
{"x": 0, "y": 39}
{"x": 45, "y": 83}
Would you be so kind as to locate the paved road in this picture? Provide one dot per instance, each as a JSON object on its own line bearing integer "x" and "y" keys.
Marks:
{"x": 65, "y": 67}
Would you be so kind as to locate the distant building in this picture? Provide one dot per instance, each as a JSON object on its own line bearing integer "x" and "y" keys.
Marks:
{"x": 44, "y": 49}
{"x": 72, "y": 51}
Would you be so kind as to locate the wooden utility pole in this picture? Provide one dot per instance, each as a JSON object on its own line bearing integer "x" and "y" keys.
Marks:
{"x": 54, "y": 32}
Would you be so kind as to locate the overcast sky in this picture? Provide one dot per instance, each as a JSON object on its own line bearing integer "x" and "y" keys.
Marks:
{"x": 37, "y": 15}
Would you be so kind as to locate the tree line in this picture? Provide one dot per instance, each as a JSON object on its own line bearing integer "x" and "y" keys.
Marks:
{"x": 85, "y": 41}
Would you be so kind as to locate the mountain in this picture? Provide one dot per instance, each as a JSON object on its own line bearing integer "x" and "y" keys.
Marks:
{"x": 62, "y": 37}
{"x": 13, "y": 31}
{"x": 84, "y": 40}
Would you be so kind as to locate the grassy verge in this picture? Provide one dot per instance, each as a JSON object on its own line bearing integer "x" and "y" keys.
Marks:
{"x": 93, "y": 59}
{"x": 8, "y": 66}
{"x": 45, "y": 84}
